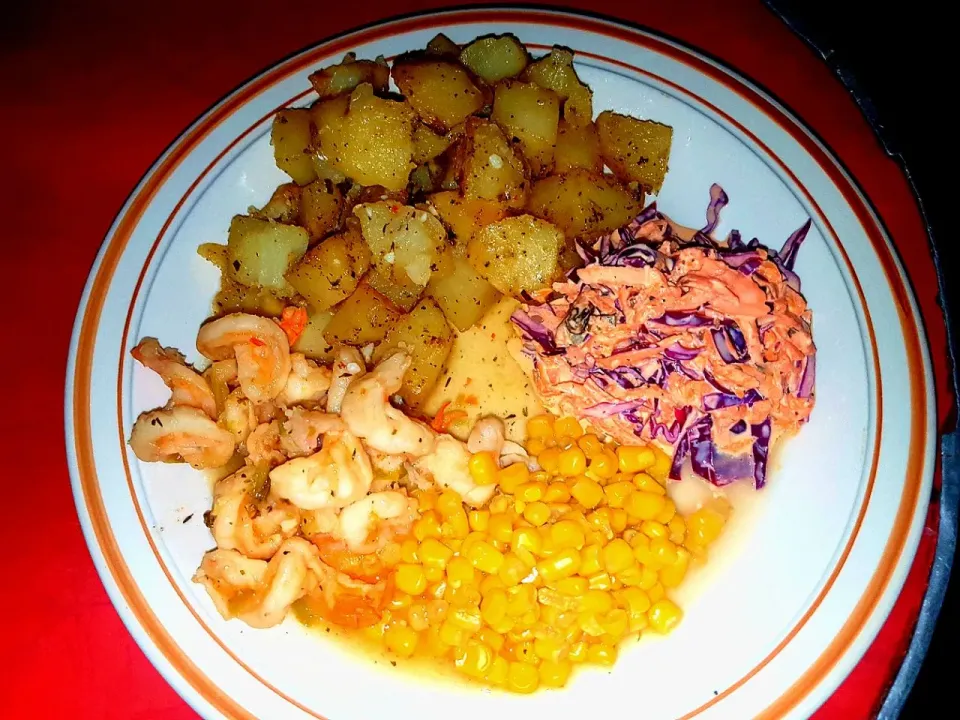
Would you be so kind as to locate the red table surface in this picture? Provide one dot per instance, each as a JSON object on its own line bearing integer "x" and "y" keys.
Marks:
{"x": 92, "y": 93}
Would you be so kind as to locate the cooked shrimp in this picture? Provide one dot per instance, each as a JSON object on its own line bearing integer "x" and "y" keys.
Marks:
{"x": 245, "y": 520}
{"x": 347, "y": 365}
{"x": 238, "y": 416}
{"x": 187, "y": 386}
{"x": 263, "y": 445}
{"x": 449, "y": 467}
{"x": 301, "y": 431}
{"x": 367, "y": 411}
{"x": 181, "y": 434}
{"x": 260, "y": 347}
{"x": 334, "y": 477}
{"x": 306, "y": 384}
{"x": 512, "y": 452}
{"x": 487, "y": 436}
{"x": 366, "y": 525}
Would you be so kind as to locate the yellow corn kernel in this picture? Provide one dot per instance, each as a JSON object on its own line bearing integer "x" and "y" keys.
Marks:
{"x": 590, "y": 561}
{"x": 483, "y": 468}
{"x": 433, "y": 574}
{"x": 530, "y": 491}
{"x": 618, "y": 520}
{"x": 493, "y": 607}
{"x": 535, "y": 446}
{"x": 571, "y": 462}
{"x": 540, "y": 426}
{"x": 456, "y": 525}
{"x": 617, "y": 556}
{"x": 470, "y": 539}
{"x": 587, "y": 492}
{"x": 571, "y": 586}
{"x": 401, "y": 640}
{"x": 410, "y": 578}
{"x": 631, "y": 577}
{"x": 615, "y": 623}
{"x": 657, "y": 592}
{"x": 490, "y": 637}
{"x": 664, "y": 616}
{"x": 460, "y": 571}
{"x": 554, "y": 673}
{"x": 526, "y": 538}
{"x": 661, "y": 466}
{"x": 485, "y": 557}
{"x": 672, "y": 575}
{"x": 556, "y": 492}
{"x": 645, "y": 483}
{"x": 433, "y": 553}
{"x": 448, "y": 503}
{"x": 563, "y": 563}
{"x": 633, "y": 458}
{"x": 451, "y": 634}
{"x": 602, "y": 654}
{"x": 704, "y": 526}
{"x": 521, "y": 599}
{"x": 567, "y": 427}
{"x": 599, "y": 519}
{"x": 512, "y": 477}
{"x": 597, "y": 601}
{"x": 549, "y": 460}
{"x": 479, "y": 520}
{"x": 466, "y": 618}
{"x": 427, "y": 526}
{"x": 678, "y": 530}
{"x": 549, "y": 648}
{"x": 501, "y": 527}
{"x": 649, "y": 578}
{"x": 513, "y": 570}
{"x": 536, "y": 513}
{"x": 497, "y": 674}
{"x": 567, "y": 533}
{"x": 667, "y": 513}
{"x": 604, "y": 464}
{"x": 522, "y": 677}
{"x": 578, "y": 652}
{"x": 399, "y": 601}
{"x": 473, "y": 658}
{"x": 489, "y": 583}
{"x": 644, "y": 505}
{"x": 590, "y": 444}
{"x": 463, "y": 596}
{"x": 616, "y": 493}
{"x": 632, "y": 599}
{"x": 390, "y": 554}
{"x": 435, "y": 647}
{"x": 427, "y": 500}
{"x": 600, "y": 581}
{"x": 500, "y": 504}
{"x": 653, "y": 529}
{"x": 663, "y": 550}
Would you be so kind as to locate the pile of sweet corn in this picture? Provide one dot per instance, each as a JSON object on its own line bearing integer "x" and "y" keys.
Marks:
{"x": 561, "y": 567}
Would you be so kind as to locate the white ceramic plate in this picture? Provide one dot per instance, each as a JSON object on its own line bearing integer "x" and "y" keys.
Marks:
{"x": 803, "y": 580}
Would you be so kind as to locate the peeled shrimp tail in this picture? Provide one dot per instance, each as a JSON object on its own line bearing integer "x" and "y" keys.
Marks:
{"x": 244, "y": 521}
{"x": 181, "y": 434}
{"x": 348, "y": 364}
{"x": 334, "y": 477}
{"x": 186, "y": 385}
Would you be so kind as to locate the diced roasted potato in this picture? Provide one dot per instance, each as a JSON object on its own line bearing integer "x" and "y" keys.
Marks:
{"x": 327, "y": 114}
{"x": 320, "y": 208}
{"x": 233, "y": 297}
{"x": 577, "y": 147}
{"x": 402, "y": 236}
{"x": 290, "y": 137}
{"x": 426, "y": 336}
{"x": 332, "y": 270}
{"x": 362, "y": 318}
{"x": 218, "y": 255}
{"x": 462, "y": 294}
{"x": 516, "y": 254}
{"x": 489, "y": 168}
{"x": 442, "y": 45}
{"x": 464, "y": 217}
{"x": 440, "y": 91}
{"x": 427, "y": 144}
{"x": 373, "y": 143}
{"x": 555, "y": 72}
{"x": 283, "y": 206}
{"x": 344, "y": 77}
{"x": 402, "y": 291}
{"x": 494, "y": 58}
{"x": 636, "y": 150}
{"x": 262, "y": 251}
{"x": 311, "y": 341}
{"x": 530, "y": 114}
{"x": 583, "y": 204}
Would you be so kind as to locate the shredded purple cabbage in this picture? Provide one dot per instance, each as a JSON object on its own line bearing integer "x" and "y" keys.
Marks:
{"x": 730, "y": 342}
{"x": 718, "y": 200}
{"x": 718, "y": 401}
{"x": 808, "y": 378}
{"x": 683, "y": 318}
{"x": 761, "y": 449}
{"x": 536, "y": 332}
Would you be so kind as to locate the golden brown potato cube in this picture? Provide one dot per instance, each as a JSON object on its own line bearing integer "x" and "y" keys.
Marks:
{"x": 427, "y": 144}
{"x": 636, "y": 150}
{"x": 373, "y": 143}
{"x": 462, "y": 294}
{"x": 577, "y": 148}
{"x": 517, "y": 254}
{"x": 232, "y": 297}
{"x": 411, "y": 240}
{"x": 556, "y": 72}
{"x": 320, "y": 208}
{"x": 332, "y": 270}
{"x": 530, "y": 114}
{"x": 464, "y": 217}
{"x": 283, "y": 206}
{"x": 262, "y": 251}
{"x": 489, "y": 168}
{"x": 290, "y": 137}
{"x": 440, "y": 91}
{"x": 494, "y": 58}
{"x": 362, "y": 318}
{"x": 344, "y": 77}
{"x": 311, "y": 341}
{"x": 217, "y": 255}
{"x": 427, "y": 337}
{"x": 403, "y": 292}
{"x": 325, "y": 114}
{"x": 583, "y": 204}
{"x": 442, "y": 45}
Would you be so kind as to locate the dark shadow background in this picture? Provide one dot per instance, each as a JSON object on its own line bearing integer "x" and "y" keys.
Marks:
{"x": 899, "y": 63}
